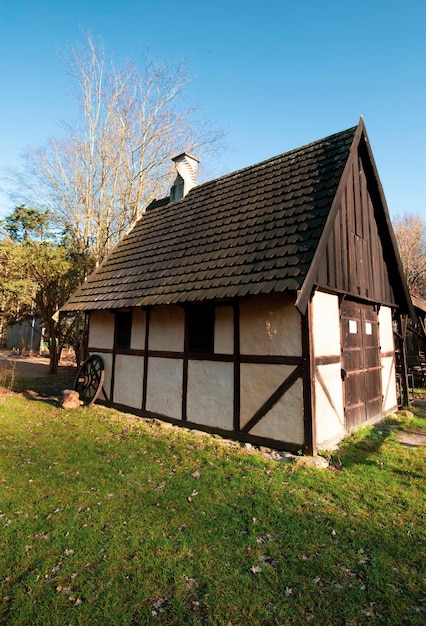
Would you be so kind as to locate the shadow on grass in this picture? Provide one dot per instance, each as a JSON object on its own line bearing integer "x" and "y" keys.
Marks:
{"x": 363, "y": 447}
{"x": 45, "y": 389}
{"x": 360, "y": 446}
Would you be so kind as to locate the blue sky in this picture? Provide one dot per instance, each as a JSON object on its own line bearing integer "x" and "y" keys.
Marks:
{"x": 276, "y": 74}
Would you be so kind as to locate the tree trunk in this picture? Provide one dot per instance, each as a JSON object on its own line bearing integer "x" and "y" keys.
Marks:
{"x": 53, "y": 349}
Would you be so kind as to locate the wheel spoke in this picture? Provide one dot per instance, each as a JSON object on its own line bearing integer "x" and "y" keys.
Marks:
{"x": 89, "y": 379}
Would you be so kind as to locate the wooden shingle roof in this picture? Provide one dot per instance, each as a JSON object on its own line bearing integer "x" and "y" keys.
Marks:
{"x": 253, "y": 231}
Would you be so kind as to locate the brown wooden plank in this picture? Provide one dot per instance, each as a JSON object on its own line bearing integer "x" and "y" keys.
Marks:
{"x": 271, "y": 359}
{"x": 344, "y": 243}
{"x": 184, "y": 414}
{"x": 237, "y": 367}
{"x": 339, "y": 252}
{"x": 331, "y": 260}
{"x": 332, "y": 359}
{"x": 146, "y": 360}
{"x": 309, "y": 423}
{"x": 358, "y": 221}
{"x": 100, "y": 350}
{"x": 350, "y": 234}
{"x": 278, "y": 444}
{"x": 366, "y": 217}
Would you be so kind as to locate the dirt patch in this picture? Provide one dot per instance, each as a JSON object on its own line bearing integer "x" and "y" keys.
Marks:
{"x": 34, "y": 366}
{"x": 411, "y": 439}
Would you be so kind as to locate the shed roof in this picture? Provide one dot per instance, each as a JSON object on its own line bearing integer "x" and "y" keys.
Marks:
{"x": 419, "y": 303}
{"x": 253, "y": 231}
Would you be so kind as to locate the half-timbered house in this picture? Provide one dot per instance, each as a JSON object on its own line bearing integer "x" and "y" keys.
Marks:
{"x": 260, "y": 305}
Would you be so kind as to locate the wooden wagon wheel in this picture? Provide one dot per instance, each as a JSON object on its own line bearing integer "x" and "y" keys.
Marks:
{"x": 89, "y": 379}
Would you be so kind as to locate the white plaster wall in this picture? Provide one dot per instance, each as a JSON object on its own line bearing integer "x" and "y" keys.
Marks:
{"x": 164, "y": 394}
{"x": 166, "y": 328}
{"x": 327, "y": 382}
{"x": 128, "y": 380}
{"x": 101, "y": 329}
{"x": 270, "y": 325}
{"x": 390, "y": 401}
{"x": 326, "y": 324}
{"x": 224, "y": 330}
{"x": 387, "y": 345}
{"x": 285, "y": 420}
{"x": 386, "y": 329}
{"x": 107, "y": 359}
{"x": 210, "y": 399}
{"x": 138, "y": 329}
{"x": 329, "y": 413}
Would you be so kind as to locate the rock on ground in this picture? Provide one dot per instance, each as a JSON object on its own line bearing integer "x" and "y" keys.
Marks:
{"x": 312, "y": 461}
{"x": 69, "y": 399}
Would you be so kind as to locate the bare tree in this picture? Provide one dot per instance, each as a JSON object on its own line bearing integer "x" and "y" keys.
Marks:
{"x": 110, "y": 163}
{"x": 410, "y": 233}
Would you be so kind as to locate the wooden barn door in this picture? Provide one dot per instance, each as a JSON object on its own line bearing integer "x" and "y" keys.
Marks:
{"x": 361, "y": 365}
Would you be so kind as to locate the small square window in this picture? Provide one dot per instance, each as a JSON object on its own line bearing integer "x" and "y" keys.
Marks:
{"x": 123, "y": 329}
{"x": 200, "y": 325}
{"x": 353, "y": 327}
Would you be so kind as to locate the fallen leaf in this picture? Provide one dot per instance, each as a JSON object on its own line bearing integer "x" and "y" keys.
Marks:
{"x": 264, "y": 558}
{"x": 266, "y": 538}
{"x": 190, "y": 583}
{"x": 159, "y": 602}
{"x": 196, "y": 475}
{"x": 256, "y": 569}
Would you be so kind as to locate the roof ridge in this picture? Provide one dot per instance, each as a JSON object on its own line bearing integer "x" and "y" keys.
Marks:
{"x": 269, "y": 160}
{"x": 161, "y": 203}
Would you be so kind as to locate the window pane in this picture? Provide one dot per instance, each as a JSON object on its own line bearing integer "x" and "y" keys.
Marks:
{"x": 123, "y": 329}
{"x": 200, "y": 320}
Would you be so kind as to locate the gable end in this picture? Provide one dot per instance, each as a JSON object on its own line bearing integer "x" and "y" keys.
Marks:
{"x": 358, "y": 254}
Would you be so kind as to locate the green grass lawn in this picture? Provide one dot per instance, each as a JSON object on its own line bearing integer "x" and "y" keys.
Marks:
{"x": 110, "y": 519}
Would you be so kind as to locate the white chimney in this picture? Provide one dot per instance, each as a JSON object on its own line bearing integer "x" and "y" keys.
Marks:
{"x": 186, "y": 179}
